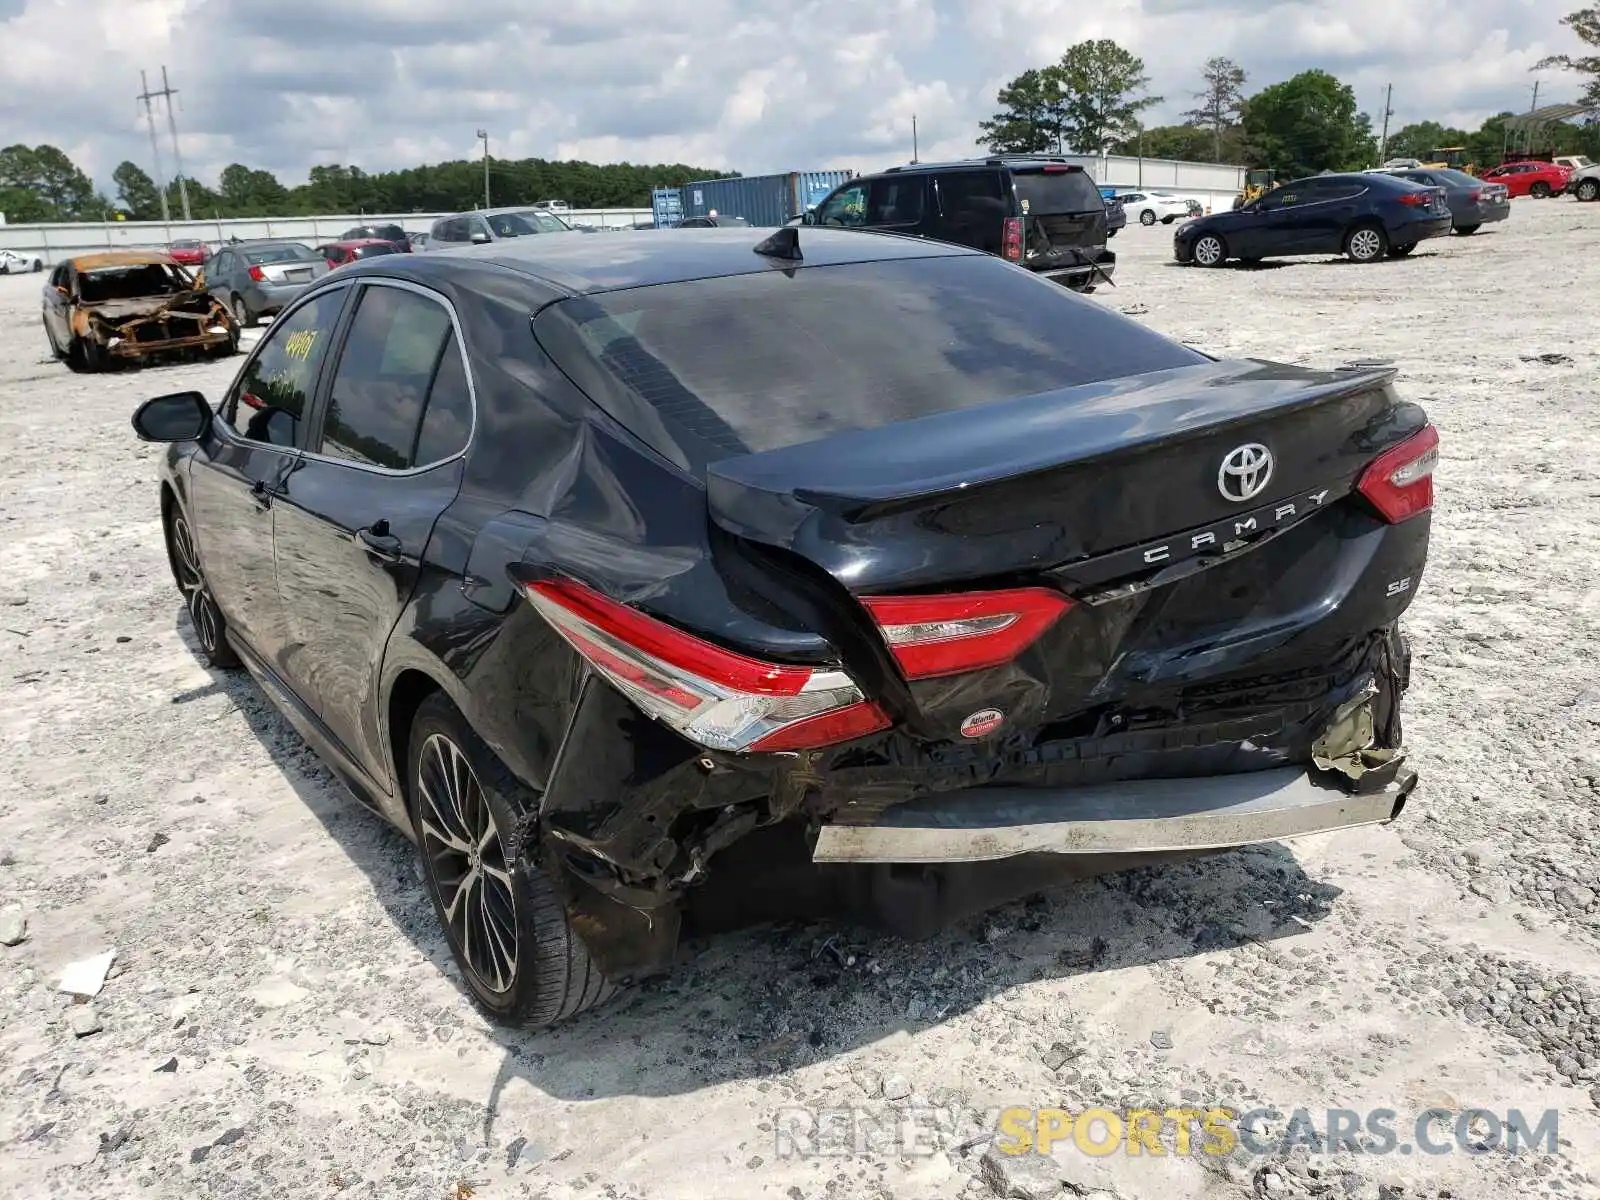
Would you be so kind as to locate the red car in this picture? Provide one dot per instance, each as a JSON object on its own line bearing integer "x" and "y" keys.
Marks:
{"x": 1538, "y": 179}
{"x": 191, "y": 252}
{"x": 340, "y": 253}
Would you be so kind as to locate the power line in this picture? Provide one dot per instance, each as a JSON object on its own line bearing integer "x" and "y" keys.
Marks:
{"x": 155, "y": 147}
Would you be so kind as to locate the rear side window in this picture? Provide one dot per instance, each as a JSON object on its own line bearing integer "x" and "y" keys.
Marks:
{"x": 895, "y": 201}
{"x": 760, "y": 361}
{"x": 380, "y": 387}
{"x": 1048, "y": 192}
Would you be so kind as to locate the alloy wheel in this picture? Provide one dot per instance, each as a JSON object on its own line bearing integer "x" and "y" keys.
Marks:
{"x": 1147, "y": 217}
{"x": 203, "y": 613}
{"x": 1208, "y": 251}
{"x": 467, "y": 863}
{"x": 1365, "y": 244}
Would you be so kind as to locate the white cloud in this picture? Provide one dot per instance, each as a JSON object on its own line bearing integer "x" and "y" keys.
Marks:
{"x": 744, "y": 84}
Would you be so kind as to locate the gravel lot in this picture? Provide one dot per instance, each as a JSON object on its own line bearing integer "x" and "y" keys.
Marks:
{"x": 282, "y": 1019}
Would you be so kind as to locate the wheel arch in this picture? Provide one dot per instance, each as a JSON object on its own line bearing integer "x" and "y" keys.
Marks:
{"x": 407, "y": 691}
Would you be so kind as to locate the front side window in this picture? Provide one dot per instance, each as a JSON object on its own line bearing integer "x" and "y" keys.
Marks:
{"x": 269, "y": 401}
{"x": 845, "y": 207}
{"x": 395, "y": 349}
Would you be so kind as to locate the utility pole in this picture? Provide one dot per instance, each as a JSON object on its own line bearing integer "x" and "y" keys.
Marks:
{"x": 484, "y": 134}
{"x": 1388, "y": 111}
{"x": 913, "y": 138}
{"x": 178, "y": 162}
{"x": 155, "y": 148}
{"x": 177, "y": 159}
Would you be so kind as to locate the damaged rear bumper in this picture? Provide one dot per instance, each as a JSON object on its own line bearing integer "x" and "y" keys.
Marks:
{"x": 1129, "y": 817}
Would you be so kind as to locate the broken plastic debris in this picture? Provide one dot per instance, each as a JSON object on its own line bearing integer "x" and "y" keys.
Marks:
{"x": 88, "y": 975}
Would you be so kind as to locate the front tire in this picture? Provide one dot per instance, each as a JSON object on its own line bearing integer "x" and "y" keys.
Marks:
{"x": 508, "y": 932}
{"x": 86, "y": 357}
{"x": 210, "y": 626}
{"x": 1587, "y": 190}
{"x": 1540, "y": 190}
{"x": 1209, "y": 251}
{"x": 1147, "y": 217}
{"x": 1467, "y": 230}
{"x": 1366, "y": 244}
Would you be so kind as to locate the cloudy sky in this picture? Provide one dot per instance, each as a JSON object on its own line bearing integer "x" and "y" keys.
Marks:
{"x": 752, "y": 85}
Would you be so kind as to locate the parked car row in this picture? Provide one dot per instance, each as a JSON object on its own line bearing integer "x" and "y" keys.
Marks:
{"x": 1367, "y": 216}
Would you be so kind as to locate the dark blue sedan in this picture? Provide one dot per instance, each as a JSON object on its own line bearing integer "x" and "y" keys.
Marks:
{"x": 1366, "y": 217}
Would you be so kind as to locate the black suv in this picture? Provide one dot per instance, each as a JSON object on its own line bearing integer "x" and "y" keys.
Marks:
{"x": 1041, "y": 212}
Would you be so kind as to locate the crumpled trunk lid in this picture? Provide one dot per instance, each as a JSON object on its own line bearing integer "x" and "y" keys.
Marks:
{"x": 1120, "y": 495}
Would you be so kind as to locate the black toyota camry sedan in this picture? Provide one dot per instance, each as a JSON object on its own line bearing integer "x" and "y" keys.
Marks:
{"x": 592, "y": 566}
{"x": 1365, "y": 216}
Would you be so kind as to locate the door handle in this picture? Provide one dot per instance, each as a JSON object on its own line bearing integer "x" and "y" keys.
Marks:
{"x": 377, "y": 541}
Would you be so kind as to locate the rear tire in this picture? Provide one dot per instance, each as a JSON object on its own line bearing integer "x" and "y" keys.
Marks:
{"x": 1168, "y": 220}
{"x": 1540, "y": 190}
{"x": 242, "y": 314}
{"x": 1467, "y": 230}
{"x": 1587, "y": 190}
{"x": 1147, "y": 217}
{"x": 1366, "y": 244}
{"x": 508, "y": 932}
{"x": 56, "y": 352}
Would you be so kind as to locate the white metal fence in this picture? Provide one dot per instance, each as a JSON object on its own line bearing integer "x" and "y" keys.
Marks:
{"x": 55, "y": 242}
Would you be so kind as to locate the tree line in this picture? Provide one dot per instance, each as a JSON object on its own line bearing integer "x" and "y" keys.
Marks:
{"x": 40, "y": 183}
{"x": 1093, "y": 98}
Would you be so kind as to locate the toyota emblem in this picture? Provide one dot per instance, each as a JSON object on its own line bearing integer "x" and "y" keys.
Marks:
{"x": 1245, "y": 472}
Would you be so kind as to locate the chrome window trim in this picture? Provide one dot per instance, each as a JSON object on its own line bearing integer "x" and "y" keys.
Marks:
{"x": 406, "y": 285}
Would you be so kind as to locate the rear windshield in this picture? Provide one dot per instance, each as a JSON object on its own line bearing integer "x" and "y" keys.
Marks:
{"x": 1065, "y": 192}
{"x": 278, "y": 254}
{"x": 1459, "y": 178}
{"x": 375, "y": 248}
{"x": 718, "y": 367}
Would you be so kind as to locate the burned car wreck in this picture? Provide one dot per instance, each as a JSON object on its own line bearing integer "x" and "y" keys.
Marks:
{"x": 132, "y": 306}
{"x": 710, "y": 564}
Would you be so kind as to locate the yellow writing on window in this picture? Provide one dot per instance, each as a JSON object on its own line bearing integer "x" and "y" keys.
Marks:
{"x": 298, "y": 345}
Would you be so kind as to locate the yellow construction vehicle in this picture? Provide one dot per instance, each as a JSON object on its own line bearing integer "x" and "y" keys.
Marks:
{"x": 1255, "y": 183}
{"x": 1452, "y": 157}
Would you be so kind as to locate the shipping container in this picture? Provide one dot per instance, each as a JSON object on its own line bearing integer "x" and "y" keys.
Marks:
{"x": 763, "y": 200}
{"x": 666, "y": 206}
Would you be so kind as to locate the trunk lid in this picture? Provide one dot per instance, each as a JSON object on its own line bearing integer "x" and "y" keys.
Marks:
{"x": 1113, "y": 494}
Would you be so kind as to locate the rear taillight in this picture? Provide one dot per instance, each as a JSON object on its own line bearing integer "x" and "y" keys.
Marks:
{"x": 1415, "y": 199}
{"x": 255, "y": 273}
{"x": 931, "y": 636}
{"x": 1474, "y": 197}
{"x": 1399, "y": 482}
{"x": 1011, "y": 240}
{"x": 711, "y": 696}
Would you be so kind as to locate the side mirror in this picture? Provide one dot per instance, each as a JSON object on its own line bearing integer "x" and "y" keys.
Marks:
{"x": 810, "y": 218}
{"x": 479, "y": 237}
{"x": 179, "y": 417}
{"x": 61, "y": 290}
